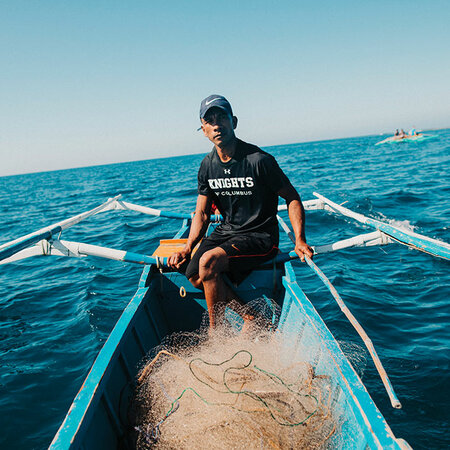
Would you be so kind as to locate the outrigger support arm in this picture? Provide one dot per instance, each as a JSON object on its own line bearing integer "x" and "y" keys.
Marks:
{"x": 308, "y": 205}
{"x": 159, "y": 212}
{"x": 56, "y": 247}
{"x": 17, "y": 246}
{"x": 418, "y": 241}
{"x": 79, "y": 249}
{"x": 361, "y": 240}
{"x": 12, "y": 247}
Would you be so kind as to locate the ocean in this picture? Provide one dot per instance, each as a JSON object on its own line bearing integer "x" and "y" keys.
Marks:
{"x": 56, "y": 312}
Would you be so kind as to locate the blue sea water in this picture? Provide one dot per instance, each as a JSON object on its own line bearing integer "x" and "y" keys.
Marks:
{"x": 56, "y": 313}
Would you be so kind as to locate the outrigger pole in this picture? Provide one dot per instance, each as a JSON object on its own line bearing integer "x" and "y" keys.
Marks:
{"x": 356, "y": 325}
{"x": 360, "y": 330}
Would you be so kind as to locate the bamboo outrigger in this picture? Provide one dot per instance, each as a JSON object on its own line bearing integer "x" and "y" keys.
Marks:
{"x": 165, "y": 302}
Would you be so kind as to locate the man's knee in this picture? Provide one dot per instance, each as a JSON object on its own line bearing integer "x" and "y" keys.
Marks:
{"x": 212, "y": 263}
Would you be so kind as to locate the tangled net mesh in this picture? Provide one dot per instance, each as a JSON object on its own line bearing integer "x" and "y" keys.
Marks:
{"x": 229, "y": 389}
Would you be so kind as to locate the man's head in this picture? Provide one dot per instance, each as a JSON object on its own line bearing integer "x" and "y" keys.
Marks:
{"x": 218, "y": 122}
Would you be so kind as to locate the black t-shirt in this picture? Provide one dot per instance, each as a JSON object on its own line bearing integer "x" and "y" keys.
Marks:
{"x": 244, "y": 189}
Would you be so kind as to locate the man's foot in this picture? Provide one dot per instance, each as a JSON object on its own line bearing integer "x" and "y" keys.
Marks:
{"x": 249, "y": 325}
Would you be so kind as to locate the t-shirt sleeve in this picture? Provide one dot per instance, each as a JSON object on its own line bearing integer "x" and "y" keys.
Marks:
{"x": 203, "y": 186}
{"x": 272, "y": 173}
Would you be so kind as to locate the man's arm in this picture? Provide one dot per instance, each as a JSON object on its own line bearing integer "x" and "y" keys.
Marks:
{"x": 198, "y": 229}
{"x": 297, "y": 218}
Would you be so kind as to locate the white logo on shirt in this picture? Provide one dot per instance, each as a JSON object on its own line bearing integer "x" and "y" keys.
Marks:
{"x": 228, "y": 171}
{"x": 239, "y": 182}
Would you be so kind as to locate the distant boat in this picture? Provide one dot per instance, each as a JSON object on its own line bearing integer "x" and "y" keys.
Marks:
{"x": 416, "y": 138}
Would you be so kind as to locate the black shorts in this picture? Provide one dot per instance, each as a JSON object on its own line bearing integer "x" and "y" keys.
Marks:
{"x": 245, "y": 252}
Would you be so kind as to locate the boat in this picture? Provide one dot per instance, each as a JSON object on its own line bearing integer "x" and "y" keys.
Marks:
{"x": 407, "y": 138}
{"x": 165, "y": 302}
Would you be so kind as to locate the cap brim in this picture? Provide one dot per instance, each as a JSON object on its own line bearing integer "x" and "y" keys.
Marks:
{"x": 215, "y": 106}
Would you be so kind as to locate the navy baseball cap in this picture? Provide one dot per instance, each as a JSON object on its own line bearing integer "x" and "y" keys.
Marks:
{"x": 216, "y": 101}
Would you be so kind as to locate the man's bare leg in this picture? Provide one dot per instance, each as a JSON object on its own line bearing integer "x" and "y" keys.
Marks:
{"x": 229, "y": 295}
{"x": 211, "y": 266}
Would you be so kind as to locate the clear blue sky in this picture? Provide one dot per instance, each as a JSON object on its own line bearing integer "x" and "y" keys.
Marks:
{"x": 96, "y": 82}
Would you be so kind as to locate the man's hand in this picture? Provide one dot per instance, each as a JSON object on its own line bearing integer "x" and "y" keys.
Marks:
{"x": 176, "y": 260}
{"x": 302, "y": 249}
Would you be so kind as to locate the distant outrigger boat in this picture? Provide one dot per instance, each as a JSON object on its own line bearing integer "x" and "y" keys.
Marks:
{"x": 407, "y": 138}
{"x": 165, "y": 302}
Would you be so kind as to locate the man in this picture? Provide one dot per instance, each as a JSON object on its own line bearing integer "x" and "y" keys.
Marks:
{"x": 244, "y": 182}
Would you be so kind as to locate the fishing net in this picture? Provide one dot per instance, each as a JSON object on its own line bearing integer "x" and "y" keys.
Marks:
{"x": 232, "y": 389}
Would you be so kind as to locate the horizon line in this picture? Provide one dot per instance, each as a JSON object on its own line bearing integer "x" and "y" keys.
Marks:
{"x": 201, "y": 153}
